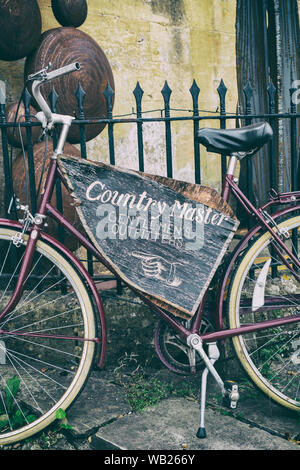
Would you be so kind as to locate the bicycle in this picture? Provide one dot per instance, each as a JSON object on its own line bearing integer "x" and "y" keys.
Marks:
{"x": 52, "y": 319}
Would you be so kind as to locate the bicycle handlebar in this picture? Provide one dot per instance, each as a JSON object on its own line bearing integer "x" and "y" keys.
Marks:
{"x": 43, "y": 76}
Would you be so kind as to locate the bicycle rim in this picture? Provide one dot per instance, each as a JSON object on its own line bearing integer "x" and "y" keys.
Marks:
{"x": 45, "y": 352}
{"x": 264, "y": 289}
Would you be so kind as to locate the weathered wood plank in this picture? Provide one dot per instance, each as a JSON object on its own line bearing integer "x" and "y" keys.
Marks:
{"x": 164, "y": 237}
{"x": 196, "y": 192}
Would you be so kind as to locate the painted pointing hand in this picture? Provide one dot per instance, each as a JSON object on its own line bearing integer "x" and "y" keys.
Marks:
{"x": 158, "y": 268}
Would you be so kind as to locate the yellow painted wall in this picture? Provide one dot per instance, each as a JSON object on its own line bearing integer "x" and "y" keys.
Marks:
{"x": 151, "y": 41}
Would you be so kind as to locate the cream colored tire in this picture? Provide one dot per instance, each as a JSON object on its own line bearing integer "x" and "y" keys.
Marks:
{"x": 51, "y": 371}
{"x": 271, "y": 357}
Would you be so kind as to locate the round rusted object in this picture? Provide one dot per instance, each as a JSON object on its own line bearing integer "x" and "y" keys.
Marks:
{"x": 63, "y": 46}
{"x": 70, "y": 12}
{"x": 13, "y": 133}
{"x": 69, "y": 210}
{"x": 20, "y": 28}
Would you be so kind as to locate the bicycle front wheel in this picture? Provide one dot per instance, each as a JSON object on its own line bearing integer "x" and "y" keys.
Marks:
{"x": 46, "y": 342}
{"x": 263, "y": 288}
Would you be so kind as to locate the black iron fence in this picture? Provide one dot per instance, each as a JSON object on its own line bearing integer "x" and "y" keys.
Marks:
{"x": 276, "y": 171}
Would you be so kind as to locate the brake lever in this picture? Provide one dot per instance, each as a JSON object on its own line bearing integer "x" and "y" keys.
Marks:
{"x": 41, "y": 74}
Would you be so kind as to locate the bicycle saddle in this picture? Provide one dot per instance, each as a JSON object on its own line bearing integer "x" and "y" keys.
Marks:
{"x": 242, "y": 141}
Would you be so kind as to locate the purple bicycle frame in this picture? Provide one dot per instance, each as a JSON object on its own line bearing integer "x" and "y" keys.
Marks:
{"x": 230, "y": 187}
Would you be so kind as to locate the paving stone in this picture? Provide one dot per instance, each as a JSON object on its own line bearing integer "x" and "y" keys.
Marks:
{"x": 100, "y": 402}
{"x": 172, "y": 425}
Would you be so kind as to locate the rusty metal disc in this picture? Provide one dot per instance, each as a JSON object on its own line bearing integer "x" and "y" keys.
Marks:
{"x": 70, "y": 12}
{"x": 13, "y": 133}
{"x": 20, "y": 28}
{"x": 69, "y": 210}
{"x": 62, "y": 46}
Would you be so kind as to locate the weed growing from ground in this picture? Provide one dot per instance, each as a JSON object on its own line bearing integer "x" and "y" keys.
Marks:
{"x": 143, "y": 390}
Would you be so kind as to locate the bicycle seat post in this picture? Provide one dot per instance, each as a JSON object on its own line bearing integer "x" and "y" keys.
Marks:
{"x": 230, "y": 172}
{"x": 232, "y": 164}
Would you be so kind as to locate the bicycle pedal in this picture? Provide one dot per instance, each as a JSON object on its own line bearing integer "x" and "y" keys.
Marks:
{"x": 231, "y": 394}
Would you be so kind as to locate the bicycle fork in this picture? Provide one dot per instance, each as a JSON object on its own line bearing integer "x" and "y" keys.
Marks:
{"x": 229, "y": 388}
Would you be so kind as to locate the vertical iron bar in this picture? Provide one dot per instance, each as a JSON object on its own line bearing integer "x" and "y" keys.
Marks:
{"x": 53, "y": 97}
{"x": 222, "y": 90}
{"x": 30, "y": 156}
{"x": 195, "y": 90}
{"x": 8, "y": 193}
{"x": 80, "y": 95}
{"x": 280, "y": 83}
{"x": 166, "y": 93}
{"x": 272, "y": 158}
{"x": 108, "y": 94}
{"x": 272, "y": 149}
{"x": 294, "y": 164}
{"x": 248, "y": 95}
{"x": 294, "y": 153}
{"x": 138, "y": 94}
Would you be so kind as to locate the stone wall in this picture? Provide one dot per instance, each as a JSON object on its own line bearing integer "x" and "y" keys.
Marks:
{"x": 151, "y": 41}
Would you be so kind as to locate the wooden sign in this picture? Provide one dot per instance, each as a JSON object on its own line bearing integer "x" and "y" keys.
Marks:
{"x": 164, "y": 237}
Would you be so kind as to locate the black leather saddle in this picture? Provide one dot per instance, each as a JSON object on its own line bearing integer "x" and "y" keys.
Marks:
{"x": 242, "y": 141}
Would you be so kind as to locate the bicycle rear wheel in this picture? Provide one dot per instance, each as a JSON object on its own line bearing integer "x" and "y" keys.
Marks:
{"x": 263, "y": 289}
{"x": 46, "y": 342}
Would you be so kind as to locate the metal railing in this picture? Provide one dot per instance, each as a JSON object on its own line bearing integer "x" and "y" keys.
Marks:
{"x": 166, "y": 116}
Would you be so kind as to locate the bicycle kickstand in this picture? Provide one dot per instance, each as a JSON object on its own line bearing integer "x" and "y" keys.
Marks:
{"x": 229, "y": 388}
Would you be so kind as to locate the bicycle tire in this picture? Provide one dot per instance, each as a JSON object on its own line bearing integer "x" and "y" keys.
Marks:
{"x": 41, "y": 373}
{"x": 270, "y": 357}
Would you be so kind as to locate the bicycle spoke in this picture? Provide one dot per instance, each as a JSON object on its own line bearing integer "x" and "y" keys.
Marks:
{"x": 45, "y": 342}
{"x": 14, "y": 400}
{"x": 4, "y": 406}
{"x": 40, "y": 371}
{"x": 21, "y": 378}
{"x": 11, "y": 278}
{"x": 270, "y": 356}
{"x": 46, "y": 304}
{"x": 5, "y": 259}
{"x": 60, "y": 351}
{"x": 36, "y": 287}
{"x": 48, "y": 319}
{"x": 56, "y": 284}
